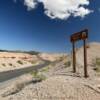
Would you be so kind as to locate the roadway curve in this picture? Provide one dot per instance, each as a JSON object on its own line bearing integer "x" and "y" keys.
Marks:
{"x": 5, "y": 76}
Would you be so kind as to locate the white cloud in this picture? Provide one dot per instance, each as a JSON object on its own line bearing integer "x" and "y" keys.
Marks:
{"x": 61, "y": 9}
{"x": 31, "y": 4}
{"x": 82, "y": 12}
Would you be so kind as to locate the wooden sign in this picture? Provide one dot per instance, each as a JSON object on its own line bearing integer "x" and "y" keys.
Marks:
{"x": 82, "y": 35}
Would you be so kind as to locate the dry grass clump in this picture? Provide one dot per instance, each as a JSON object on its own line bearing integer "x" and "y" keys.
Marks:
{"x": 3, "y": 64}
{"x": 20, "y": 62}
{"x": 38, "y": 76}
{"x": 97, "y": 65}
{"x": 67, "y": 64}
{"x": 45, "y": 69}
{"x": 10, "y": 64}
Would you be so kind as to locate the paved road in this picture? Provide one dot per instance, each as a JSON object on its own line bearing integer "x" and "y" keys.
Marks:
{"x": 4, "y": 76}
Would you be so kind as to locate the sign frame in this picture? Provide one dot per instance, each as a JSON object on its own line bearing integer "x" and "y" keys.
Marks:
{"x": 82, "y": 35}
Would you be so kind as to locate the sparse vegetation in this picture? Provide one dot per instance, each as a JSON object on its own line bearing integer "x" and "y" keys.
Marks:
{"x": 13, "y": 57}
{"x": 45, "y": 69}
{"x": 61, "y": 58}
{"x": 67, "y": 64}
{"x": 87, "y": 46}
{"x": 32, "y": 52}
{"x": 33, "y": 62}
{"x": 34, "y": 73}
{"x": 10, "y": 64}
{"x": 4, "y": 64}
{"x": 98, "y": 61}
{"x": 41, "y": 77}
{"x": 37, "y": 75}
{"x": 97, "y": 65}
{"x": 20, "y": 62}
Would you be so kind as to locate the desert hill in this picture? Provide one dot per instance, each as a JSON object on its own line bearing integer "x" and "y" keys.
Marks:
{"x": 93, "y": 52}
{"x": 57, "y": 80}
{"x": 15, "y": 60}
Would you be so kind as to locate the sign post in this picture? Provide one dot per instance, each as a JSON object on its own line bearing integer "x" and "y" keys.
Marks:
{"x": 82, "y": 35}
{"x": 74, "y": 58}
{"x": 85, "y": 59}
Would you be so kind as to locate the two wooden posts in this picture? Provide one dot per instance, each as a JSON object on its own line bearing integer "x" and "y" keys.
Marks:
{"x": 82, "y": 35}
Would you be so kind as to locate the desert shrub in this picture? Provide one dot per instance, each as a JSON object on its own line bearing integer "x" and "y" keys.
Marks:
{"x": 38, "y": 76}
{"x": 45, "y": 69}
{"x": 87, "y": 46}
{"x": 98, "y": 61}
{"x": 10, "y": 64}
{"x": 4, "y": 64}
{"x": 95, "y": 68}
{"x": 41, "y": 77}
{"x": 32, "y": 52}
{"x": 13, "y": 57}
{"x": 97, "y": 65}
{"x": 67, "y": 64}
{"x": 34, "y": 73}
{"x": 33, "y": 62}
{"x": 61, "y": 59}
{"x": 19, "y": 62}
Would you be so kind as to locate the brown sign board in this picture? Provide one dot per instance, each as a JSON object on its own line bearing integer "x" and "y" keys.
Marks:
{"x": 82, "y": 35}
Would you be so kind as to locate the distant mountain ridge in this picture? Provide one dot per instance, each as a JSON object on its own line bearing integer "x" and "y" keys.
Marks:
{"x": 19, "y": 51}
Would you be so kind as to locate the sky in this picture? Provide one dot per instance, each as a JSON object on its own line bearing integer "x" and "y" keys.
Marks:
{"x": 46, "y": 25}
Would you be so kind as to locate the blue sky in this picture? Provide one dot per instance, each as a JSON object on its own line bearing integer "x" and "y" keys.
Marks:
{"x": 26, "y": 28}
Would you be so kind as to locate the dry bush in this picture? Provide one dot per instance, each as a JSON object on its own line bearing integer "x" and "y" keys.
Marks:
{"x": 20, "y": 62}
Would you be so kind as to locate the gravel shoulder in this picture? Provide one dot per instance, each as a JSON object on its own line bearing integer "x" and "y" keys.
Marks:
{"x": 60, "y": 88}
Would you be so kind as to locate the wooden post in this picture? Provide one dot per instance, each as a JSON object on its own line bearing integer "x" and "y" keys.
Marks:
{"x": 74, "y": 58}
{"x": 85, "y": 59}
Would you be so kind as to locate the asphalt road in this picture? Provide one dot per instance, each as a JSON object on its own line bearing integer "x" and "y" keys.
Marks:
{"x": 5, "y": 76}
